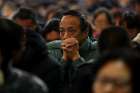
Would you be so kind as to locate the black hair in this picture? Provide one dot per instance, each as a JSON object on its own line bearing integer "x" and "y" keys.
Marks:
{"x": 113, "y": 38}
{"x": 51, "y": 25}
{"x": 10, "y": 34}
{"x": 131, "y": 19}
{"x": 25, "y": 13}
{"x": 10, "y": 40}
{"x": 136, "y": 1}
{"x": 83, "y": 23}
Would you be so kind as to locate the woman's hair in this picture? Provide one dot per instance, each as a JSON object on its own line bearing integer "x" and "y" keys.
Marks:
{"x": 113, "y": 38}
{"x": 105, "y": 11}
{"x": 129, "y": 57}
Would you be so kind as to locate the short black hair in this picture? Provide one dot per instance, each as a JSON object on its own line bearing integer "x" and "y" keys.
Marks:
{"x": 25, "y": 13}
{"x": 83, "y": 22}
{"x": 51, "y": 25}
{"x": 113, "y": 38}
{"x": 10, "y": 34}
{"x": 131, "y": 19}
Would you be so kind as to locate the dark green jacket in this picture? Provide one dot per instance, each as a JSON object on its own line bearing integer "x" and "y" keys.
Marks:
{"x": 88, "y": 51}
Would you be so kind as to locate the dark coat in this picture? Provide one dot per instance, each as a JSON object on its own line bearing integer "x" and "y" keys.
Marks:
{"x": 36, "y": 61}
{"x": 88, "y": 52}
{"x": 22, "y": 82}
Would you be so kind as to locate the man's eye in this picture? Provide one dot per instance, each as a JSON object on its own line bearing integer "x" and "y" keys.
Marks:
{"x": 71, "y": 30}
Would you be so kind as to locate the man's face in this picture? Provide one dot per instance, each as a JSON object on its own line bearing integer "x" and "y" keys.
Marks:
{"x": 70, "y": 27}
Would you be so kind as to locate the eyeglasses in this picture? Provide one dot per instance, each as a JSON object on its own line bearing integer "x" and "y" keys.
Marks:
{"x": 117, "y": 83}
{"x": 70, "y": 31}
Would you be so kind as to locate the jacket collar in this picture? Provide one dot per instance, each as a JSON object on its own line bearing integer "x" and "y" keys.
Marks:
{"x": 86, "y": 45}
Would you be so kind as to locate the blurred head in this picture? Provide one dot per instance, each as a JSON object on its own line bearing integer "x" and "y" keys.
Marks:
{"x": 8, "y": 9}
{"x": 124, "y": 3}
{"x": 89, "y": 3}
{"x": 130, "y": 21}
{"x": 10, "y": 40}
{"x": 137, "y": 6}
{"x": 52, "y": 11}
{"x": 73, "y": 24}
{"x": 51, "y": 30}
{"x": 116, "y": 72}
{"x": 113, "y": 38}
{"x": 25, "y": 17}
{"x": 102, "y": 19}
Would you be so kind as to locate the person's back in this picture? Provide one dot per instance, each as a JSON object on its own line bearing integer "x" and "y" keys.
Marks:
{"x": 14, "y": 80}
{"x": 22, "y": 82}
{"x": 35, "y": 60}
{"x": 113, "y": 38}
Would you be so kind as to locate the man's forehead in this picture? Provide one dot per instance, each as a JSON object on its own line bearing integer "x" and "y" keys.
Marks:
{"x": 70, "y": 19}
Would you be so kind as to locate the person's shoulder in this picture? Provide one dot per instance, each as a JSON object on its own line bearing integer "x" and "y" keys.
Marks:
{"x": 54, "y": 44}
{"x": 30, "y": 82}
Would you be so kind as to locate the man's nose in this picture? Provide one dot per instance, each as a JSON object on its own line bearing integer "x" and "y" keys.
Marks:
{"x": 66, "y": 35}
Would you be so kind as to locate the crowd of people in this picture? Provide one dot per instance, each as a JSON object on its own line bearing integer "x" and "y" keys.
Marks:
{"x": 69, "y": 46}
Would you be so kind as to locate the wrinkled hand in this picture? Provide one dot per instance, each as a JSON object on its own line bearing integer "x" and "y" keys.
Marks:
{"x": 70, "y": 49}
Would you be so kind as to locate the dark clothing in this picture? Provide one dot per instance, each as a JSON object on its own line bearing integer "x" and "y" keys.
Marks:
{"x": 135, "y": 46}
{"x": 88, "y": 52}
{"x": 83, "y": 79}
{"x": 22, "y": 82}
{"x": 36, "y": 61}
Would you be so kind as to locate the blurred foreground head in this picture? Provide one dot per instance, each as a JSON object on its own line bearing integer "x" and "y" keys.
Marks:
{"x": 10, "y": 40}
